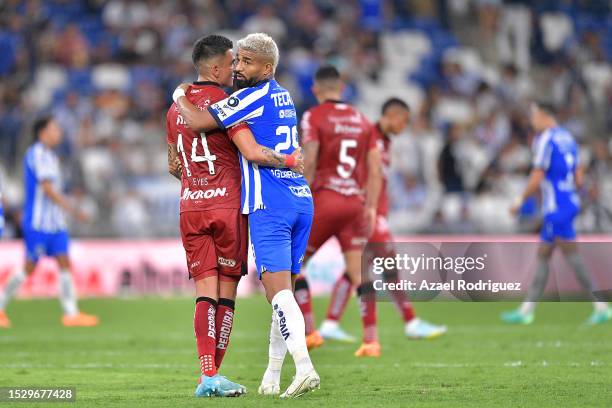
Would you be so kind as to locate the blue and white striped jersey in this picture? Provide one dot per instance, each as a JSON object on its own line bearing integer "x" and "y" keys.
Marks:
{"x": 269, "y": 111}
{"x": 40, "y": 213}
{"x": 556, "y": 152}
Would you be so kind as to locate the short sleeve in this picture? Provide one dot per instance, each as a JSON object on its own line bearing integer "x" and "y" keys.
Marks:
{"x": 170, "y": 134}
{"x": 240, "y": 106}
{"x": 542, "y": 150}
{"x": 44, "y": 165}
{"x": 231, "y": 132}
{"x": 309, "y": 130}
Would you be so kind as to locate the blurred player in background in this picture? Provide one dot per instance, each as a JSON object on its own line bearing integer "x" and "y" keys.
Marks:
{"x": 557, "y": 172}
{"x": 278, "y": 201}
{"x": 213, "y": 228}
{"x": 342, "y": 163}
{"x": 44, "y": 223}
{"x": 394, "y": 120}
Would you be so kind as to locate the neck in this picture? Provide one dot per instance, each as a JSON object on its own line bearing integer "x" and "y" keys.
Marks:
{"x": 206, "y": 78}
{"x": 549, "y": 125}
{"x": 330, "y": 96}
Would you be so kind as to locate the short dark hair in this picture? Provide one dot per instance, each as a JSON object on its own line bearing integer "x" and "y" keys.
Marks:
{"x": 40, "y": 124}
{"x": 394, "y": 102}
{"x": 327, "y": 73}
{"x": 547, "y": 107}
{"x": 209, "y": 47}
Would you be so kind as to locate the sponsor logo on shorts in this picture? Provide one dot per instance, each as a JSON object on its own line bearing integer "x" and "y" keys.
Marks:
{"x": 203, "y": 194}
{"x": 301, "y": 191}
{"x": 194, "y": 265}
{"x": 226, "y": 262}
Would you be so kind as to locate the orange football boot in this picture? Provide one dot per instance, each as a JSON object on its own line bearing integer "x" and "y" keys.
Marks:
{"x": 314, "y": 340}
{"x": 80, "y": 320}
{"x": 5, "y": 323}
{"x": 371, "y": 349}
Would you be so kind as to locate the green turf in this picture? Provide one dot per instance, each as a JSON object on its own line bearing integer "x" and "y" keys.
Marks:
{"x": 143, "y": 354}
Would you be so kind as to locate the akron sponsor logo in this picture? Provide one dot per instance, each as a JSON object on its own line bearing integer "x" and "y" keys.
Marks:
{"x": 226, "y": 262}
{"x": 203, "y": 194}
{"x": 301, "y": 191}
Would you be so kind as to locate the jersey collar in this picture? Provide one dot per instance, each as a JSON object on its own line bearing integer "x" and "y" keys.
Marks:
{"x": 202, "y": 83}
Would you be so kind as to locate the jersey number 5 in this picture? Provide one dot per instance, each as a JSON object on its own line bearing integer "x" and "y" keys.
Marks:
{"x": 347, "y": 163}
{"x": 208, "y": 157}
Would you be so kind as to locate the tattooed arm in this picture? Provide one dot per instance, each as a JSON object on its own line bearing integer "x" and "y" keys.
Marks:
{"x": 256, "y": 153}
{"x": 174, "y": 164}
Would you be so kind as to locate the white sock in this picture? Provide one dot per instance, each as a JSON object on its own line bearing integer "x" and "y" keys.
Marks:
{"x": 598, "y": 306}
{"x": 11, "y": 288}
{"x": 67, "y": 293}
{"x": 527, "y": 307}
{"x": 292, "y": 329}
{"x": 276, "y": 354}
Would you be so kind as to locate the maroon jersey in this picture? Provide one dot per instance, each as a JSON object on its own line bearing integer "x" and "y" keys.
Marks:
{"x": 384, "y": 144}
{"x": 211, "y": 171}
{"x": 345, "y": 137}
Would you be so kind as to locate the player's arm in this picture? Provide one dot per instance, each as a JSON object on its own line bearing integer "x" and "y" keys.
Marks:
{"x": 174, "y": 163}
{"x": 533, "y": 185}
{"x": 373, "y": 186}
{"x": 60, "y": 200}
{"x": 311, "y": 158}
{"x": 579, "y": 176}
{"x": 198, "y": 120}
{"x": 256, "y": 153}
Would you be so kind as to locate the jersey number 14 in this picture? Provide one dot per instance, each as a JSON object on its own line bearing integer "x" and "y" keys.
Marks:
{"x": 207, "y": 157}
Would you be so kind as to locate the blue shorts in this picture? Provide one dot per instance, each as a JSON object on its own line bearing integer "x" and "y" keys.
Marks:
{"x": 279, "y": 239}
{"x": 42, "y": 243}
{"x": 558, "y": 225}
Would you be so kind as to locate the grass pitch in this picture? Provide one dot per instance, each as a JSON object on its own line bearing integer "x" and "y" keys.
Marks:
{"x": 143, "y": 354}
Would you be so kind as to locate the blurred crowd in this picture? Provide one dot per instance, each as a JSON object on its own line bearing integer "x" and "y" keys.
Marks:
{"x": 106, "y": 70}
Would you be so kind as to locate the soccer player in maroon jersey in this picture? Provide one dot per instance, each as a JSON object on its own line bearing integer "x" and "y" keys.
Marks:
{"x": 342, "y": 165}
{"x": 213, "y": 229}
{"x": 394, "y": 120}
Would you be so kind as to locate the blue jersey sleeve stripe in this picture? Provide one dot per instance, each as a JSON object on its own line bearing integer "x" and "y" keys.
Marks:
{"x": 246, "y": 103}
{"x": 213, "y": 113}
{"x": 542, "y": 151}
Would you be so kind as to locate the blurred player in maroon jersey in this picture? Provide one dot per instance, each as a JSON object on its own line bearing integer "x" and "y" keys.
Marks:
{"x": 213, "y": 229}
{"x": 394, "y": 120}
{"x": 343, "y": 167}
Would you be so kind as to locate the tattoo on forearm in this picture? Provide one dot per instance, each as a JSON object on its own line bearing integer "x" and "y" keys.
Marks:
{"x": 273, "y": 158}
{"x": 174, "y": 168}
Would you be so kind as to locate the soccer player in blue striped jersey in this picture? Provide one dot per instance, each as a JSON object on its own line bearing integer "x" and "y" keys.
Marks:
{"x": 557, "y": 172}
{"x": 278, "y": 201}
{"x": 44, "y": 224}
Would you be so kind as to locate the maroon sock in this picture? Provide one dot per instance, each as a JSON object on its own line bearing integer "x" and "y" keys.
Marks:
{"x": 401, "y": 301}
{"x": 341, "y": 293}
{"x": 204, "y": 327}
{"x": 367, "y": 299}
{"x": 304, "y": 300}
{"x": 225, "y": 321}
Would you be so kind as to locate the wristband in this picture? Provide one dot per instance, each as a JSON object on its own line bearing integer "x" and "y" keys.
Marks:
{"x": 290, "y": 161}
{"x": 178, "y": 92}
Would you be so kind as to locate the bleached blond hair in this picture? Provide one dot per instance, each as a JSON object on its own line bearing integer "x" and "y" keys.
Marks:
{"x": 261, "y": 44}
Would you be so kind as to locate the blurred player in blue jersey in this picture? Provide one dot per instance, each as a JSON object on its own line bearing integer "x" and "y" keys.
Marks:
{"x": 44, "y": 224}
{"x": 557, "y": 172}
{"x": 278, "y": 201}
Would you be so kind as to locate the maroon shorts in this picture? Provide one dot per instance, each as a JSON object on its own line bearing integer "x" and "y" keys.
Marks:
{"x": 340, "y": 216}
{"x": 215, "y": 243}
